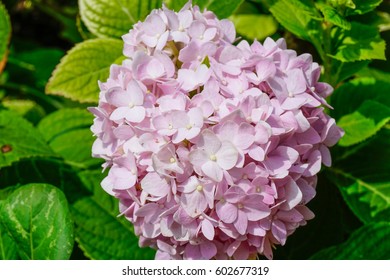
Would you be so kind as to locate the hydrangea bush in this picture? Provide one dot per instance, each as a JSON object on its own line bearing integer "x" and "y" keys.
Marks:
{"x": 213, "y": 145}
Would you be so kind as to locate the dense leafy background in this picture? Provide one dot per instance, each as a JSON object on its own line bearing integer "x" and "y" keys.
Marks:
{"x": 53, "y": 52}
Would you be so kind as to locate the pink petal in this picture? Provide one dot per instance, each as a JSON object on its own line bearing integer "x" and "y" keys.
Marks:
{"x": 136, "y": 114}
{"x": 194, "y": 203}
{"x": 279, "y": 231}
{"x": 134, "y": 90}
{"x": 198, "y": 157}
{"x": 293, "y": 195}
{"x": 154, "y": 185}
{"x": 226, "y": 212}
{"x": 212, "y": 170}
{"x": 256, "y": 153}
{"x": 227, "y": 156}
{"x": 325, "y": 155}
{"x": 245, "y": 136}
{"x": 264, "y": 69}
{"x": 241, "y": 224}
{"x": 208, "y": 229}
{"x": 209, "y": 142}
{"x": 118, "y": 97}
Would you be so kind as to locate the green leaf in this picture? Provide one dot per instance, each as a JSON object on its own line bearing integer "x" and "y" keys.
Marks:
{"x": 332, "y": 15}
{"x": 5, "y": 35}
{"x": 361, "y": 42}
{"x": 38, "y": 219}
{"x": 371, "y": 242}
{"x": 345, "y": 70}
{"x": 347, "y": 98}
{"x": 299, "y": 17}
{"x": 363, "y": 6}
{"x": 114, "y": 18}
{"x": 363, "y": 123}
{"x": 69, "y": 135}
{"x": 99, "y": 231}
{"x": 64, "y": 120}
{"x": 19, "y": 139}
{"x": 362, "y": 174}
{"x": 8, "y": 247}
{"x": 222, "y": 9}
{"x": 254, "y": 26}
{"x": 77, "y": 76}
{"x": 362, "y": 108}
{"x": 374, "y": 73}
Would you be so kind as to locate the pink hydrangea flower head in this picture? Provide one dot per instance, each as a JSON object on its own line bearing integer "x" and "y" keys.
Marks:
{"x": 213, "y": 149}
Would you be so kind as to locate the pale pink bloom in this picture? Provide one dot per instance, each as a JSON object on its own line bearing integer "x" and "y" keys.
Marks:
{"x": 189, "y": 125}
{"x": 213, "y": 149}
{"x": 154, "y": 32}
{"x": 197, "y": 196}
{"x": 212, "y": 156}
{"x": 129, "y": 103}
{"x": 192, "y": 79}
{"x": 238, "y": 208}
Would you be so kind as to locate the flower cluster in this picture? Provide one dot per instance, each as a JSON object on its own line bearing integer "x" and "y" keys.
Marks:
{"x": 212, "y": 148}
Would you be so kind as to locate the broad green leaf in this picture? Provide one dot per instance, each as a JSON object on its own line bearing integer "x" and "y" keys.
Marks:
{"x": 371, "y": 242}
{"x": 63, "y": 121}
{"x": 363, "y": 6}
{"x": 8, "y": 247}
{"x": 114, "y": 18}
{"x": 347, "y": 98}
{"x": 19, "y": 139}
{"x": 37, "y": 218}
{"x": 76, "y": 148}
{"x": 69, "y": 135}
{"x": 363, "y": 123}
{"x": 362, "y": 174}
{"x": 5, "y": 35}
{"x": 361, "y": 42}
{"x": 333, "y": 16}
{"x": 222, "y": 9}
{"x": 101, "y": 234}
{"x": 299, "y": 17}
{"x": 345, "y": 70}
{"x": 77, "y": 75}
{"x": 254, "y": 26}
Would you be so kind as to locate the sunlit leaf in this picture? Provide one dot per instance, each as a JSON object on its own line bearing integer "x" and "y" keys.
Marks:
{"x": 255, "y": 26}
{"x": 114, "y": 18}
{"x": 77, "y": 76}
{"x": 361, "y": 42}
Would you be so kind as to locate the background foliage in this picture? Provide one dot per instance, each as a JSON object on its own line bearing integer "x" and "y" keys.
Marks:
{"x": 53, "y": 52}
